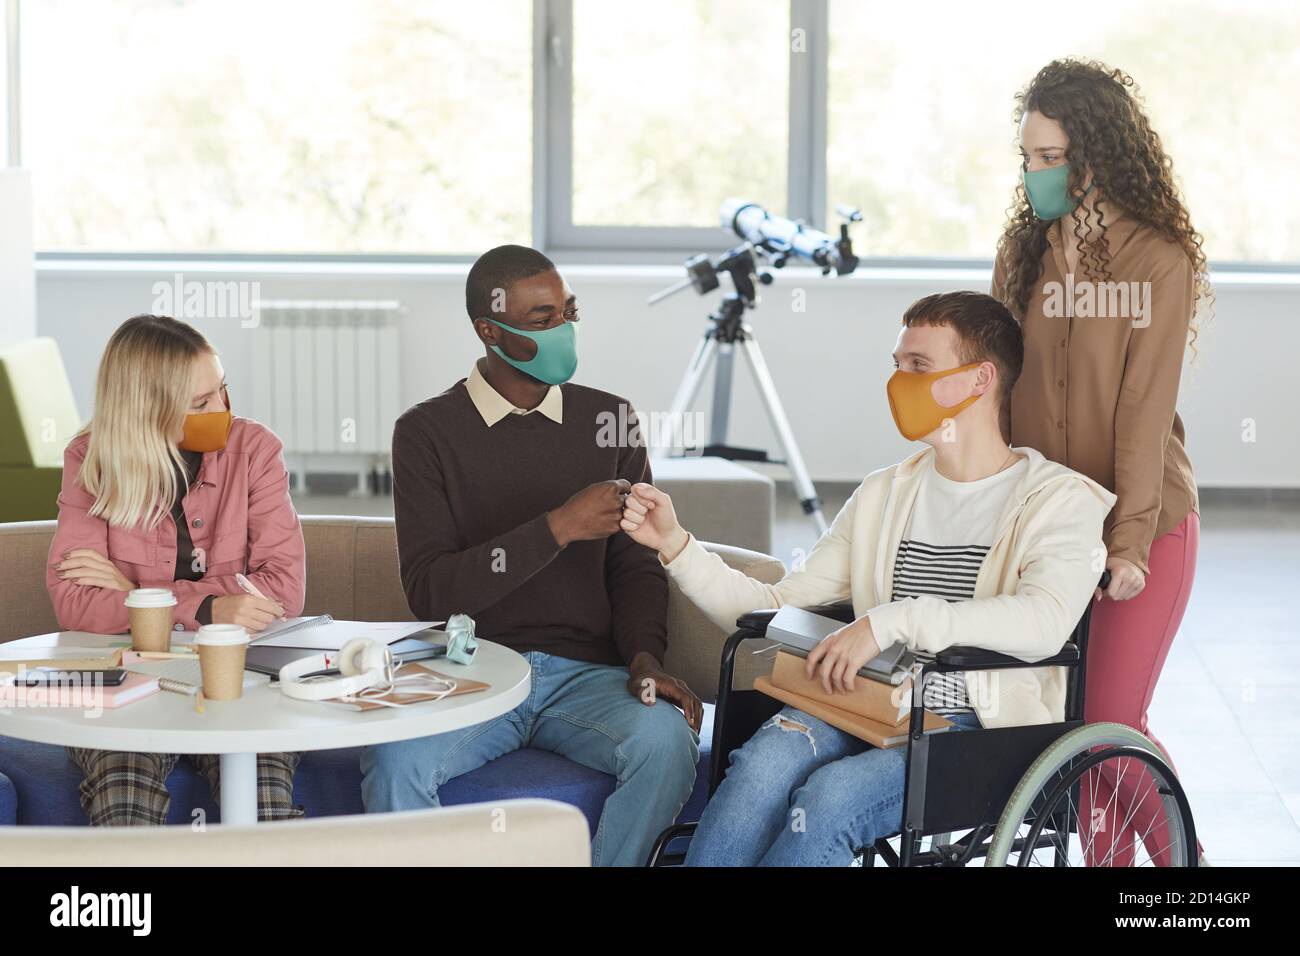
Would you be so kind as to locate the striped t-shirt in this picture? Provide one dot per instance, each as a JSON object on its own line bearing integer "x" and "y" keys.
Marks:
{"x": 949, "y": 532}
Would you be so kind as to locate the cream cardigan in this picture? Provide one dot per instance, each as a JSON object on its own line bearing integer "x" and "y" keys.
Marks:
{"x": 1032, "y": 588}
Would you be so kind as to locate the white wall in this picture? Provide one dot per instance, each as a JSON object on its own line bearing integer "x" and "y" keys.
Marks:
{"x": 830, "y": 362}
{"x": 17, "y": 273}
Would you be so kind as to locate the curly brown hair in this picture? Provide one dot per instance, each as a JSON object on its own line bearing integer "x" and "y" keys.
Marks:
{"x": 1100, "y": 111}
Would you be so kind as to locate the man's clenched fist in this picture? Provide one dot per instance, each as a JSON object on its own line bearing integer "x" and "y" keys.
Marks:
{"x": 592, "y": 513}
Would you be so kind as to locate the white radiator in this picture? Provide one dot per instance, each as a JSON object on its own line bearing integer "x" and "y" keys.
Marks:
{"x": 326, "y": 379}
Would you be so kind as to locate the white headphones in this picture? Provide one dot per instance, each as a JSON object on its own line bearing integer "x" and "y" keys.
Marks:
{"x": 367, "y": 673}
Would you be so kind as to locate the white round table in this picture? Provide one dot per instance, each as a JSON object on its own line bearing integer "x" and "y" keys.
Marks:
{"x": 262, "y": 721}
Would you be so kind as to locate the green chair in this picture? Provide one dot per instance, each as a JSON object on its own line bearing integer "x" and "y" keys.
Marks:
{"x": 38, "y": 416}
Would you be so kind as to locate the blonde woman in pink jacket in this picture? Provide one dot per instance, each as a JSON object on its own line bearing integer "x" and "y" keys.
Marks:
{"x": 166, "y": 488}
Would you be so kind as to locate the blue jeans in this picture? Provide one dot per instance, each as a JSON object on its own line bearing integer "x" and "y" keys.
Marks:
{"x": 581, "y": 711}
{"x": 803, "y": 793}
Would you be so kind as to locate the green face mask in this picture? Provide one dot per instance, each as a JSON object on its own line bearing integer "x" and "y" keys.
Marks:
{"x": 1049, "y": 191}
{"x": 557, "y": 352}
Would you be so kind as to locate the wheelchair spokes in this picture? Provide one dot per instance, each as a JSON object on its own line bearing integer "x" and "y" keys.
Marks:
{"x": 1106, "y": 805}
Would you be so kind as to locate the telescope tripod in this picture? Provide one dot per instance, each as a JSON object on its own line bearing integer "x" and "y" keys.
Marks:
{"x": 727, "y": 332}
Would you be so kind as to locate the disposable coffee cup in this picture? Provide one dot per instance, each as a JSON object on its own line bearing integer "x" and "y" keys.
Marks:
{"x": 221, "y": 658}
{"x": 150, "y": 614}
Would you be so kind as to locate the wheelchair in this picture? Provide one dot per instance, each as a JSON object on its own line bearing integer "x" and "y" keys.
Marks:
{"x": 1018, "y": 801}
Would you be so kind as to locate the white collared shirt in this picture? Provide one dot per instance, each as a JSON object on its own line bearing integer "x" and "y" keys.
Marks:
{"x": 493, "y": 406}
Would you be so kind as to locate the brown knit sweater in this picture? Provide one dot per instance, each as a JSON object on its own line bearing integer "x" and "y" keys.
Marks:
{"x": 472, "y": 533}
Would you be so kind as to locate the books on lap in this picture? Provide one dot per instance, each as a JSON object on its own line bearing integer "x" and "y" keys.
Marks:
{"x": 801, "y": 631}
{"x": 873, "y": 711}
{"x": 886, "y": 703}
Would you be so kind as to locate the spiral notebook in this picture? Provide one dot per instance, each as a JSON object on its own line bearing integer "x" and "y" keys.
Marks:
{"x": 178, "y": 674}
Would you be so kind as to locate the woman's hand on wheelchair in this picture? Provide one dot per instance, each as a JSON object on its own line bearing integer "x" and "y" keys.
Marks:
{"x": 1126, "y": 580}
{"x": 841, "y": 654}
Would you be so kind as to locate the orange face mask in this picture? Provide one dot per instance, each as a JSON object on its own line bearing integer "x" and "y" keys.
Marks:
{"x": 207, "y": 431}
{"x": 916, "y": 413}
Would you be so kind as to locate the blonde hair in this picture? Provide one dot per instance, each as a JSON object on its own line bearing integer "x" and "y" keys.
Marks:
{"x": 142, "y": 395}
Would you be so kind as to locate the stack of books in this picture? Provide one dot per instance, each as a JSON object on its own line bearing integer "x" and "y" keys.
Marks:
{"x": 876, "y": 710}
{"x": 873, "y": 711}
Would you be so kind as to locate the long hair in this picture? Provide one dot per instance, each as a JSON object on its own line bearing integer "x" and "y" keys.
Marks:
{"x": 1100, "y": 111}
{"x": 142, "y": 394}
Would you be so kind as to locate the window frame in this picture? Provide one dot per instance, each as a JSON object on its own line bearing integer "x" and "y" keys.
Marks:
{"x": 12, "y": 87}
{"x": 553, "y": 131}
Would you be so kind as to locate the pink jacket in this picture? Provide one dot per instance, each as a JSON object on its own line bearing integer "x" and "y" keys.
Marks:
{"x": 238, "y": 511}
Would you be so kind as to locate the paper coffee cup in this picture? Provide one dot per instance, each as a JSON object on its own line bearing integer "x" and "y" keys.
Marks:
{"x": 221, "y": 658}
{"x": 150, "y": 614}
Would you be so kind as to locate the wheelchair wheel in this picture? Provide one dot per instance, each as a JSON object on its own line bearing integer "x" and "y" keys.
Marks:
{"x": 1101, "y": 795}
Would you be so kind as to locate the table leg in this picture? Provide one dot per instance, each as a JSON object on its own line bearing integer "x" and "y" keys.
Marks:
{"x": 238, "y": 788}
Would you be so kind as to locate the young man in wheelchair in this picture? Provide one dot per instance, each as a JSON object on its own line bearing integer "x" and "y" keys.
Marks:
{"x": 967, "y": 542}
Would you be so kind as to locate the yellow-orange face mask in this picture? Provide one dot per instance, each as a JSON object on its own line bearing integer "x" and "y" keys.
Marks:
{"x": 207, "y": 431}
{"x": 916, "y": 413}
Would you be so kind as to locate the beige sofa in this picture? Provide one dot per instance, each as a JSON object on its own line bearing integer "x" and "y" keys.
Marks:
{"x": 352, "y": 574}
{"x": 509, "y": 833}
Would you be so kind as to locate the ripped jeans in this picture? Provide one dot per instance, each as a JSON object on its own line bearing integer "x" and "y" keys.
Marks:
{"x": 803, "y": 793}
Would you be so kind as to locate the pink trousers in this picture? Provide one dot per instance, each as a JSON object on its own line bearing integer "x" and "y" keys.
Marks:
{"x": 1128, "y": 642}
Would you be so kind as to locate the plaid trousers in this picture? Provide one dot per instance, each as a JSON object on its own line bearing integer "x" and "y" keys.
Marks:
{"x": 130, "y": 789}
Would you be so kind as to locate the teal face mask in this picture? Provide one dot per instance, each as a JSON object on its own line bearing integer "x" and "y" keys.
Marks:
{"x": 557, "y": 352}
{"x": 1049, "y": 191}
{"x": 461, "y": 643}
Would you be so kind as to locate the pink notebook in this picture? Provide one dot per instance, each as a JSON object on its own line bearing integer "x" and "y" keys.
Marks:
{"x": 133, "y": 688}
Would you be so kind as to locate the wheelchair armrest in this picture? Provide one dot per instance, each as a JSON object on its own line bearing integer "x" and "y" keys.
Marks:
{"x": 757, "y": 621}
{"x": 977, "y": 658}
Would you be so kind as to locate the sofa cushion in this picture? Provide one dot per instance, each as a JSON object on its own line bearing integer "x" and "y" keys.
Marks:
{"x": 38, "y": 414}
{"x": 43, "y": 783}
{"x": 25, "y": 608}
{"x": 8, "y": 802}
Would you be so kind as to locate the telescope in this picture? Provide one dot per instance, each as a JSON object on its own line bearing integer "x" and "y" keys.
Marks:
{"x": 775, "y": 240}
{"x": 783, "y": 238}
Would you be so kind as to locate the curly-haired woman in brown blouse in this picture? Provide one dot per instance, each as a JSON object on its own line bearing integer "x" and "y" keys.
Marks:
{"x": 1100, "y": 263}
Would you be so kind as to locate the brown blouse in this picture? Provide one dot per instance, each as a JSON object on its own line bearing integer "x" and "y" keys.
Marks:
{"x": 1102, "y": 365}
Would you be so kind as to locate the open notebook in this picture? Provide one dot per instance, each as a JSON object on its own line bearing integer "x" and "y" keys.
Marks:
{"x": 323, "y": 633}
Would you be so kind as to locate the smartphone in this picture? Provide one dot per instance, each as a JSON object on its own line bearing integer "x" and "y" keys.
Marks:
{"x": 54, "y": 677}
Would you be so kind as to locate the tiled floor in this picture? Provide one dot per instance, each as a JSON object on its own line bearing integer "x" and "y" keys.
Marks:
{"x": 1228, "y": 703}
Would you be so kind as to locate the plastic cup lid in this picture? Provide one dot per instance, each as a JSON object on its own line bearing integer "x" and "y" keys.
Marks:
{"x": 221, "y": 634}
{"x": 150, "y": 597}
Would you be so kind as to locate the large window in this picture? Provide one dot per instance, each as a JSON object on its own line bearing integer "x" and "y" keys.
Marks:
{"x": 354, "y": 126}
{"x": 614, "y": 129}
{"x": 920, "y": 133}
{"x": 675, "y": 111}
